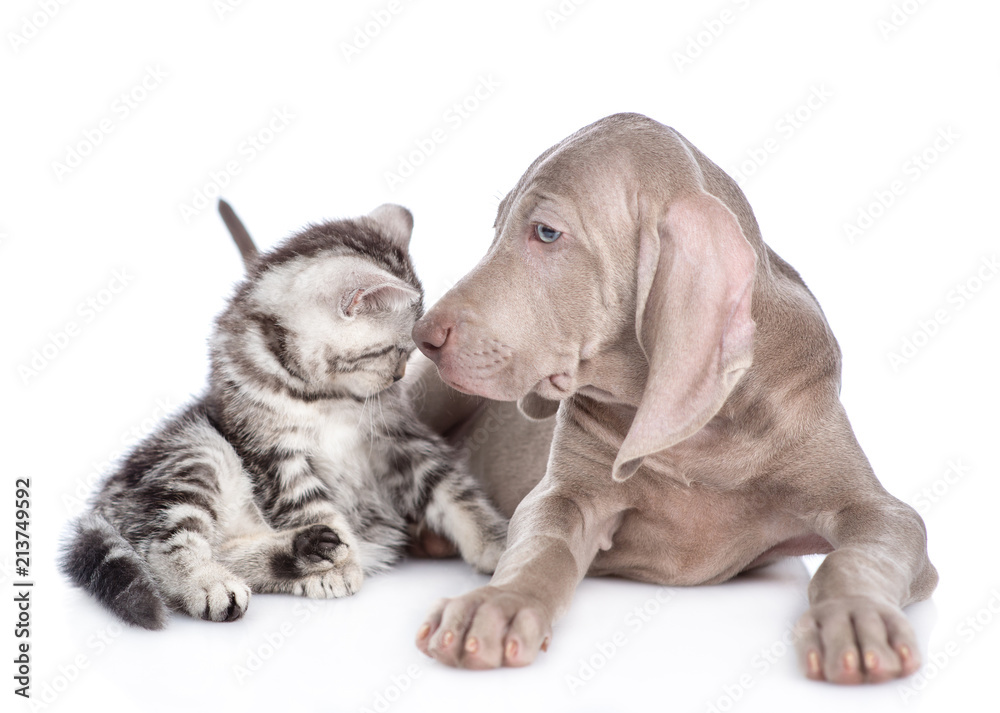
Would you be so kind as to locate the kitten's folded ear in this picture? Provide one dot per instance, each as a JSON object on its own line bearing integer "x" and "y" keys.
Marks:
{"x": 375, "y": 291}
{"x": 396, "y": 223}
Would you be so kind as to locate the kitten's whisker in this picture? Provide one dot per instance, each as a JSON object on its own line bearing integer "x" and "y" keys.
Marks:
{"x": 385, "y": 424}
{"x": 371, "y": 428}
{"x": 362, "y": 414}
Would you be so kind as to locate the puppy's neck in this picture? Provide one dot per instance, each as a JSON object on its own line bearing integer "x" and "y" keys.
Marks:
{"x": 615, "y": 375}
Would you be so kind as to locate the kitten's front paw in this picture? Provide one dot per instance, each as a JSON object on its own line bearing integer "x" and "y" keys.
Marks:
{"x": 485, "y": 559}
{"x": 342, "y": 581}
{"x": 317, "y": 543}
{"x": 216, "y": 595}
{"x": 320, "y": 547}
{"x": 484, "y": 549}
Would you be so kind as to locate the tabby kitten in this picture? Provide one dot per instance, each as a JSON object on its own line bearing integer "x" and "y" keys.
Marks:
{"x": 303, "y": 465}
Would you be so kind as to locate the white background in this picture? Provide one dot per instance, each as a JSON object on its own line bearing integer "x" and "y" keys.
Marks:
{"x": 881, "y": 94}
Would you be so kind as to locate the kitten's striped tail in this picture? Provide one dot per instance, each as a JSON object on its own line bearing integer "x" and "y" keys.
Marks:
{"x": 248, "y": 251}
{"x": 100, "y": 561}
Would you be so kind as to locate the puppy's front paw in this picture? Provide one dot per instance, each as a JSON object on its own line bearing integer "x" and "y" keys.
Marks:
{"x": 856, "y": 640}
{"x": 486, "y": 628}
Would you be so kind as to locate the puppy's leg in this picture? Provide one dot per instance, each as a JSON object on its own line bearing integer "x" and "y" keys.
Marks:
{"x": 553, "y": 537}
{"x": 855, "y": 629}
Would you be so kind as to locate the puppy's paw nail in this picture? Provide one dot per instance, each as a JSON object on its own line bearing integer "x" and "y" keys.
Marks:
{"x": 812, "y": 661}
{"x": 423, "y": 631}
{"x": 471, "y": 645}
{"x": 448, "y": 638}
{"x": 545, "y": 644}
{"x": 871, "y": 661}
{"x": 850, "y": 662}
{"x": 510, "y": 653}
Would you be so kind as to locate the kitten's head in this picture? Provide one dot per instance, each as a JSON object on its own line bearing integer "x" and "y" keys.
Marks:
{"x": 329, "y": 311}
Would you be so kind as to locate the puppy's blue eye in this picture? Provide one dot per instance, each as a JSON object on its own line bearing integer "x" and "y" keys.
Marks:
{"x": 546, "y": 234}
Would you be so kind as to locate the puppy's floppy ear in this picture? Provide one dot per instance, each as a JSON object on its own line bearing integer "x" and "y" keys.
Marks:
{"x": 694, "y": 283}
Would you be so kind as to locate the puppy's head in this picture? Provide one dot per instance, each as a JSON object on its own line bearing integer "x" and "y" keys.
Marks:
{"x": 613, "y": 273}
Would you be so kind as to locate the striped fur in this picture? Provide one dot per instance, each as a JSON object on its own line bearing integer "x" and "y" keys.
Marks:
{"x": 303, "y": 467}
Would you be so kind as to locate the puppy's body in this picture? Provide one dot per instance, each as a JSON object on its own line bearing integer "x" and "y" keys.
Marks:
{"x": 699, "y": 429}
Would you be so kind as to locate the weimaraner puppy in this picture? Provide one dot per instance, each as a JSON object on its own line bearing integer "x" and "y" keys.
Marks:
{"x": 698, "y": 428}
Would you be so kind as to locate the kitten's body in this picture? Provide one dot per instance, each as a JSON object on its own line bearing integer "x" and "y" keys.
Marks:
{"x": 303, "y": 466}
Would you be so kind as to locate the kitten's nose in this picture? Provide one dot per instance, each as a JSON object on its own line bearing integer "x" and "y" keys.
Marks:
{"x": 430, "y": 337}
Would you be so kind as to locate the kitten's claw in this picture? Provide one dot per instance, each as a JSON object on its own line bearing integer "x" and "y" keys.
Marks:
{"x": 218, "y": 596}
{"x": 326, "y": 565}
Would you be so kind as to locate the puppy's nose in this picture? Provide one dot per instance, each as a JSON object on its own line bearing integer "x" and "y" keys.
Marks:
{"x": 430, "y": 336}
